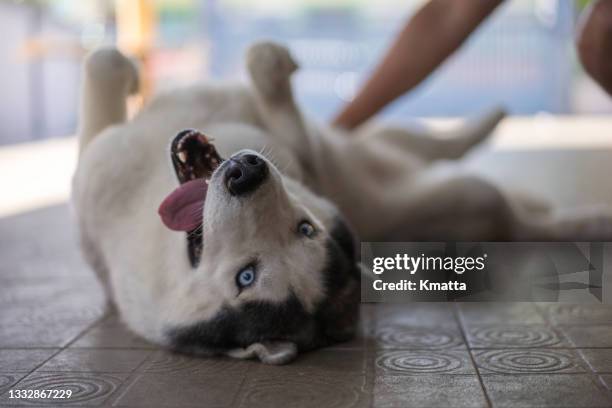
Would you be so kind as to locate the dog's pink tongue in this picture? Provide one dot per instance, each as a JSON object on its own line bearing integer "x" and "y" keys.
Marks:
{"x": 182, "y": 209}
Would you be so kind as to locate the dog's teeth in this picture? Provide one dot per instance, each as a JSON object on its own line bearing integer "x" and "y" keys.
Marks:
{"x": 182, "y": 157}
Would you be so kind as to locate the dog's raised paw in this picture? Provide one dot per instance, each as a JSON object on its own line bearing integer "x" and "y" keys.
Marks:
{"x": 270, "y": 65}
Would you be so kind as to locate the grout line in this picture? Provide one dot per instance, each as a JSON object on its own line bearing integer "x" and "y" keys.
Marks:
{"x": 129, "y": 380}
{"x": 590, "y": 372}
{"x": 241, "y": 387}
{"x": 85, "y": 330}
{"x": 463, "y": 335}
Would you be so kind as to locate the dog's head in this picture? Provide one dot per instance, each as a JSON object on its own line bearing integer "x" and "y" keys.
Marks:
{"x": 276, "y": 271}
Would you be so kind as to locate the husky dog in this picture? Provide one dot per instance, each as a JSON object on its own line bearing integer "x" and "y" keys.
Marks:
{"x": 222, "y": 222}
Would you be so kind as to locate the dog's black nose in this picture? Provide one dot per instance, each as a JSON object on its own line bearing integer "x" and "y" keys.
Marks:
{"x": 245, "y": 173}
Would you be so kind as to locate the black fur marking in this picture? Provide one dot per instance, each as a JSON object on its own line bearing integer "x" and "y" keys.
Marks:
{"x": 333, "y": 320}
{"x": 195, "y": 246}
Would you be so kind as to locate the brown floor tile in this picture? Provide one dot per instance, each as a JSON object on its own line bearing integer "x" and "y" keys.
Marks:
{"x": 606, "y": 380}
{"x": 429, "y": 314}
{"x": 458, "y": 391}
{"x": 322, "y": 362}
{"x": 111, "y": 333}
{"x": 558, "y": 391}
{"x": 180, "y": 390}
{"x": 563, "y": 313}
{"x": 96, "y": 360}
{"x": 423, "y": 362}
{"x": 361, "y": 341}
{"x": 599, "y": 360}
{"x": 364, "y": 337}
{"x": 38, "y": 335}
{"x": 589, "y": 336}
{"x": 25, "y": 360}
{"x": 165, "y": 362}
{"x": 304, "y": 389}
{"x": 48, "y": 314}
{"x": 495, "y": 313}
{"x": 528, "y": 361}
{"x": 514, "y": 336}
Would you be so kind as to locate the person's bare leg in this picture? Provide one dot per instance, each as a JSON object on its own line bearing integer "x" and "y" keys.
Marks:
{"x": 594, "y": 42}
{"x": 430, "y": 36}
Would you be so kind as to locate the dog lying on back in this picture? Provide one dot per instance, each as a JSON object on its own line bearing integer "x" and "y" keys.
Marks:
{"x": 222, "y": 222}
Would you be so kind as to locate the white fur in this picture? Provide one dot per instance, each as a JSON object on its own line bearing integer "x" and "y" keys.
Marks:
{"x": 389, "y": 184}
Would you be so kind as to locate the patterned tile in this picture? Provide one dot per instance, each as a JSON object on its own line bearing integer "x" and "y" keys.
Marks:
{"x": 396, "y": 336}
{"x": 7, "y": 380}
{"x": 87, "y": 389}
{"x": 405, "y": 355}
{"x": 417, "y": 362}
{"x": 507, "y": 336}
{"x": 528, "y": 361}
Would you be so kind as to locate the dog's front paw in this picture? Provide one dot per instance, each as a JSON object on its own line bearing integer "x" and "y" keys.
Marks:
{"x": 270, "y": 65}
{"x": 110, "y": 67}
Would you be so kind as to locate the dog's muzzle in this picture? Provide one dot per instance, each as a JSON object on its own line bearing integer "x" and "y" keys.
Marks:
{"x": 244, "y": 173}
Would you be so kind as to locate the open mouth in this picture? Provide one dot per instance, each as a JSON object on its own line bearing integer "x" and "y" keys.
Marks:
{"x": 194, "y": 156}
{"x": 195, "y": 160}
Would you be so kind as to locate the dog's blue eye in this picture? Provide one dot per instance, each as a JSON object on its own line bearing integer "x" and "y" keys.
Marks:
{"x": 305, "y": 228}
{"x": 246, "y": 277}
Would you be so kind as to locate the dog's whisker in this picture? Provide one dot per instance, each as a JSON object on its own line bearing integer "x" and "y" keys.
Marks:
{"x": 270, "y": 155}
{"x": 198, "y": 210}
{"x": 196, "y": 232}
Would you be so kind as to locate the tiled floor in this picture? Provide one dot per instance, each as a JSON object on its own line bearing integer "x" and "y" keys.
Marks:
{"x": 54, "y": 335}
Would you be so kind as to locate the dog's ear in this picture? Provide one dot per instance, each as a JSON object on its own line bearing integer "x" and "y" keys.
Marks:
{"x": 268, "y": 352}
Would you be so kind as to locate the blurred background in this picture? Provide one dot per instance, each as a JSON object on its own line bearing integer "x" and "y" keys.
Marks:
{"x": 522, "y": 57}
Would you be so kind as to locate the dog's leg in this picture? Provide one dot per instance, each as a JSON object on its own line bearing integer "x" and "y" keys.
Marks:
{"x": 591, "y": 224}
{"x": 270, "y": 66}
{"x": 108, "y": 78}
{"x": 462, "y": 208}
{"x": 467, "y": 208}
{"x": 451, "y": 144}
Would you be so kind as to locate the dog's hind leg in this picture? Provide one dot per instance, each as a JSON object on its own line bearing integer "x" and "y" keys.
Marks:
{"x": 451, "y": 144}
{"x": 108, "y": 78}
{"x": 270, "y": 66}
{"x": 467, "y": 208}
